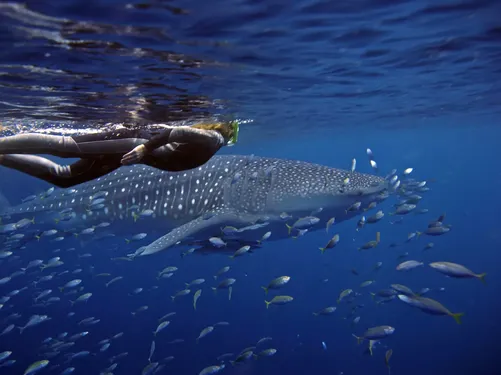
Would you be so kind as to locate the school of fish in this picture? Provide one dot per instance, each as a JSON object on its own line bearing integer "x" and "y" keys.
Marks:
{"x": 68, "y": 278}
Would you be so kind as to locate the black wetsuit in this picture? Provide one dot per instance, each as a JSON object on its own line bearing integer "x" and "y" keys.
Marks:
{"x": 171, "y": 149}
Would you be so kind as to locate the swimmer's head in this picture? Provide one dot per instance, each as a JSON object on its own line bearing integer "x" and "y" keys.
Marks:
{"x": 229, "y": 130}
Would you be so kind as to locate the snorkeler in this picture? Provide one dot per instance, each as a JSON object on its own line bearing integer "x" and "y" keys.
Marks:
{"x": 174, "y": 149}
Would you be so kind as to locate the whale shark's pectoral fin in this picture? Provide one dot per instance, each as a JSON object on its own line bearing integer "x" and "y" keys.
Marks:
{"x": 189, "y": 229}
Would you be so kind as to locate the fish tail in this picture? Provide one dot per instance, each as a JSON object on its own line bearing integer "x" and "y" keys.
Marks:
{"x": 56, "y": 220}
{"x": 322, "y": 249}
{"x": 267, "y": 304}
{"x": 214, "y": 289}
{"x": 187, "y": 284}
{"x": 21, "y": 329}
{"x": 289, "y": 228}
{"x": 127, "y": 240}
{"x": 61, "y": 288}
{"x": 37, "y": 237}
{"x": 370, "y": 349}
{"x": 72, "y": 302}
{"x": 173, "y": 298}
{"x": 378, "y": 237}
{"x": 42, "y": 267}
{"x": 373, "y": 295}
{"x": 265, "y": 290}
{"x": 418, "y": 234}
{"x": 215, "y": 277}
{"x": 359, "y": 339}
{"x": 316, "y": 314}
{"x": 457, "y": 317}
{"x": 482, "y": 277}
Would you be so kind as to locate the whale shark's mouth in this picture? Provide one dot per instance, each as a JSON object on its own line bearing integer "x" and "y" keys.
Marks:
{"x": 375, "y": 188}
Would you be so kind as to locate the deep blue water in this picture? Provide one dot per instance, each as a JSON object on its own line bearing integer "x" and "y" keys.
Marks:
{"x": 417, "y": 82}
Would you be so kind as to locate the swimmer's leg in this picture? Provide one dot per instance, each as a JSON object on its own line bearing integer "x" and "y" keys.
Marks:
{"x": 80, "y": 146}
{"x": 60, "y": 175}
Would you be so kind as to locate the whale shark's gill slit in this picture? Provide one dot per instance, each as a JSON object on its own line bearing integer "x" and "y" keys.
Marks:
{"x": 185, "y": 193}
{"x": 191, "y": 200}
{"x": 211, "y": 186}
{"x": 144, "y": 202}
{"x": 195, "y": 190}
{"x": 173, "y": 192}
{"x": 159, "y": 203}
{"x": 326, "y": 182}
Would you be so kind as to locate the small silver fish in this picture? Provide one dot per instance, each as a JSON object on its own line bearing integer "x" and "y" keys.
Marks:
{"x": 217, "y": 242}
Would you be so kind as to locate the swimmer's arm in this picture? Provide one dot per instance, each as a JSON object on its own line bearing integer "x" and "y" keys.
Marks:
{"x": 178, "y": 134}
{"x": 183, "y": 134}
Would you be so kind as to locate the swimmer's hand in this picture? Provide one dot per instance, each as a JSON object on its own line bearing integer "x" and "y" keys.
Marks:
{"x": 135, "y": 156}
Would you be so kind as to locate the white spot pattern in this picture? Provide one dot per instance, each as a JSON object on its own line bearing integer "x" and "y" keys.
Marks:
{"x": 264, "y": 184}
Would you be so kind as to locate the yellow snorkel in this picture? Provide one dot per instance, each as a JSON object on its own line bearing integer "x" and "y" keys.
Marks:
{"x": 235, "y": 127}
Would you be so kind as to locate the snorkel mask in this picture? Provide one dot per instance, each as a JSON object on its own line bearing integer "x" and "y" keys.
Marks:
{"x": 235, "y": 127}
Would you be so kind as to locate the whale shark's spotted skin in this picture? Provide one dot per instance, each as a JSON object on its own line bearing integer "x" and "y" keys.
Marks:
{"x": 226, "y": 190}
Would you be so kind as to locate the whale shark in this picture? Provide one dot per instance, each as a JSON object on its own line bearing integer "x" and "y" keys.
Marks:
{"x": 250, "y": 193}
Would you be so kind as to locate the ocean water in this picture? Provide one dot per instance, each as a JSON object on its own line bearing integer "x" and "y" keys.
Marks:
{"x": 417, "y": 82}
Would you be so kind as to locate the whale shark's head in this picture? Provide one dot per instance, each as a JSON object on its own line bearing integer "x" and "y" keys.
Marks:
{"x": 304, "y": 187}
